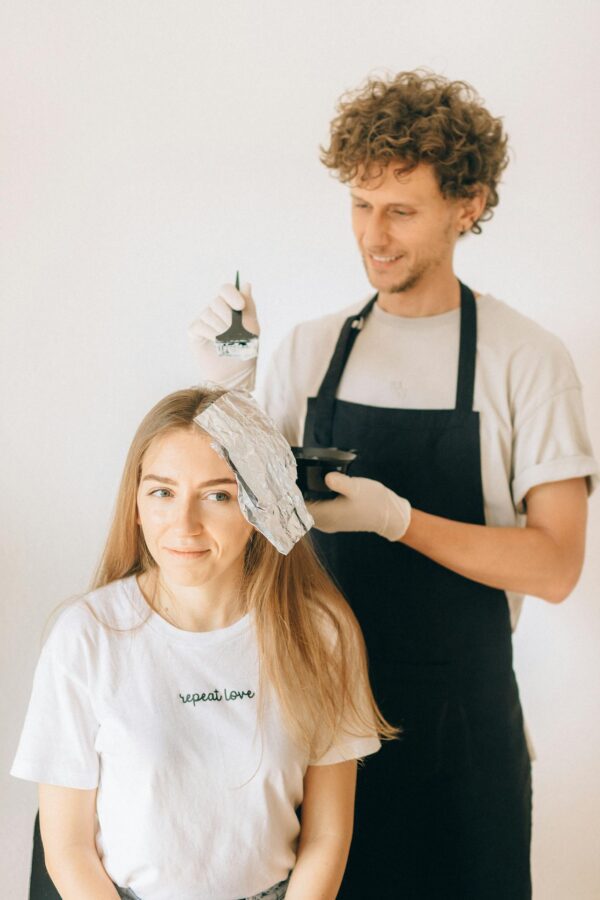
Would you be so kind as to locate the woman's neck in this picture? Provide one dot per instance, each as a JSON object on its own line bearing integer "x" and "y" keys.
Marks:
{"x": 205, "y": 607}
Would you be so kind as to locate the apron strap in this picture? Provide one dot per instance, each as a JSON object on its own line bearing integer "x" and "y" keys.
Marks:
{"x": 325, "y": 400}
{"x": 326, "y": 394}
{"x": 465, "y": 384}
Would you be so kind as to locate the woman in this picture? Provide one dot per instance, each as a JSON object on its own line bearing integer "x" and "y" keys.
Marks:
{"x": 208, "y": 686}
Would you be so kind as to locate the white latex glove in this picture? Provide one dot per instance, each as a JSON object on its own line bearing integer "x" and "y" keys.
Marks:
{"x": 364, "y": 505}
{"x": 213, "y": 320}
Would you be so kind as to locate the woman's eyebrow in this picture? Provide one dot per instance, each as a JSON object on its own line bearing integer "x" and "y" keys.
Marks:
{"x": 164, "y": 480}
{"x": 214, "y": 481}
{"x": 160, "y": 478}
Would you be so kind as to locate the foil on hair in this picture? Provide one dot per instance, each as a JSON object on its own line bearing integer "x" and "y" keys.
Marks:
{"x": 264, "y": 467}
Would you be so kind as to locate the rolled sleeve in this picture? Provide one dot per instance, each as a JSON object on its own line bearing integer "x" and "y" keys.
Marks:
{"x": 552, "y": 444}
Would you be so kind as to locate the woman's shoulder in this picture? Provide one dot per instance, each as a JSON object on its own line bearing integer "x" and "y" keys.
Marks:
{"x": 336, "y": 622}
{"x": 120, "y": 602}
{"x": 112, "y": 608}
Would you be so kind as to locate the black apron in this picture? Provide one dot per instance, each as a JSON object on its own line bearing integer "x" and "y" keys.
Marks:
{"x": 445, "y": 811}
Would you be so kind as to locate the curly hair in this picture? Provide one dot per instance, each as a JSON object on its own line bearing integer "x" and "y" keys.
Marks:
{"x": 420, "y": 117}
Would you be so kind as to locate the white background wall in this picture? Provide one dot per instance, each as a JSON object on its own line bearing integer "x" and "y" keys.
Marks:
{"x": 150, "y": 148}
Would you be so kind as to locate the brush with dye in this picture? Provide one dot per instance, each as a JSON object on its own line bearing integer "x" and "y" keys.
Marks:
{"x": 236, "y": 340}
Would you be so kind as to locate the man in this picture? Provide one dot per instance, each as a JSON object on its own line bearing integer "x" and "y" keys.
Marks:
{"x": 469, "y": 491}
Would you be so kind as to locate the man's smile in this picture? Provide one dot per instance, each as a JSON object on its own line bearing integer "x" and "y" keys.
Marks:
{"x": 383, "y": 261}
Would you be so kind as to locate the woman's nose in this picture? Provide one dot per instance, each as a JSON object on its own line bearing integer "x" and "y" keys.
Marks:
{"x": 189, "y": 517}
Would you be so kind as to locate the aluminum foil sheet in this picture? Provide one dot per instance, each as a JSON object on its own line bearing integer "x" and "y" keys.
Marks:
{"x": 264, "y": 467}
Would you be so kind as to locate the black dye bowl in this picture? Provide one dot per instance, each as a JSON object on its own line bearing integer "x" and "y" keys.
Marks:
{"x": 313, "y": 465}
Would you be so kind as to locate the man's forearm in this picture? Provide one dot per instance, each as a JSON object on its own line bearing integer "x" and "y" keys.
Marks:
{"x": 524, "y": 560}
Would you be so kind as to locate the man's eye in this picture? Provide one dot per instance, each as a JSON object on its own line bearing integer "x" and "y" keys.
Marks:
{"x": 400, "y": 212}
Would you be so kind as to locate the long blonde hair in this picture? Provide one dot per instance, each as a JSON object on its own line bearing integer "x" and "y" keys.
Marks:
{"x": 311, "y": 648}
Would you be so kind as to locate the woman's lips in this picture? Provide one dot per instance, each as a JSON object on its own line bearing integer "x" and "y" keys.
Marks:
{"x": 186, "y": 554}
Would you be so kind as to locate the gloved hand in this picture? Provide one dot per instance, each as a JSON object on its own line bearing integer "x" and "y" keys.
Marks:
{"x": 363, "y": 505}
{"x": 213, "y": 320}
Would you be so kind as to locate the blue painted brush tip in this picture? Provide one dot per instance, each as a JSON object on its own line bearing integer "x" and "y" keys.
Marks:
{"x": 237, "y": 281}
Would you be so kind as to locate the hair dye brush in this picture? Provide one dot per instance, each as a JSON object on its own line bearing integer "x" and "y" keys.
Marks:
{"x": 237, "y": 341}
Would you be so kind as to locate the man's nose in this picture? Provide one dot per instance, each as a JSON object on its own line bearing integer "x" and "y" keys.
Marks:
{"x": 375, "y": 236}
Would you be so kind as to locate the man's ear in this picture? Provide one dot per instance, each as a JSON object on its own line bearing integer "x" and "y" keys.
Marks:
{"x": 472, "y": 208}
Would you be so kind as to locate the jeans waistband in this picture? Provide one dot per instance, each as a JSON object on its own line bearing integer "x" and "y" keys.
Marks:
{"x": 275, "y": 892}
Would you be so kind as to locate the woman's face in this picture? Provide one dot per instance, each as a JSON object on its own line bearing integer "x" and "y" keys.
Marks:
{"x": 188, "y": 510}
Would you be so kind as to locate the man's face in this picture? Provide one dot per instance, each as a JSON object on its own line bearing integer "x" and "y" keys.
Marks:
{"x": 405, "y": 228}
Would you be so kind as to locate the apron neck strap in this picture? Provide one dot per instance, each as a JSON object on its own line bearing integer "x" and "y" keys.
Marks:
{"x": 326, "y": 395}
{"x": 353, "y": 325}
{"x": 465, "y": 384}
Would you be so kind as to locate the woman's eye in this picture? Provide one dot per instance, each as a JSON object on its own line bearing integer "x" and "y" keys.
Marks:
{"x": 219, "y": 496}
{"x": 161, "y": 492}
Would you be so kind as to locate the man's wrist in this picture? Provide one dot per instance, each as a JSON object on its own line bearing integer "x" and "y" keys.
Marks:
{"x": 398, "y": 518}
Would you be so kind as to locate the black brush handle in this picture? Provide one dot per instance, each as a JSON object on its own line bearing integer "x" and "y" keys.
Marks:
{"x": 236, "y": 331}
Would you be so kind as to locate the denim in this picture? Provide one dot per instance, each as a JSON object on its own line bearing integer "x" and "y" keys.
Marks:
{"x": 276, "y": 892}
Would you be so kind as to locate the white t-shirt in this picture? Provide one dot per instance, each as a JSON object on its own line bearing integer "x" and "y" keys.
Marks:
{"x": 195, "y": 801}
{"x": 532, "y": 425}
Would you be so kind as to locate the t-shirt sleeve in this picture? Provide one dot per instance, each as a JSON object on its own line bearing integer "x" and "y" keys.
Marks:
{"x": 348, "y": 747}
{"x": 281, "y": 393}
{"x": 353, "y": 740}
{"x": 297, "y": 369}
{"x": 57, "y": 741}
{"x": 552, "y": 444}
{"x": 550, "y": 439}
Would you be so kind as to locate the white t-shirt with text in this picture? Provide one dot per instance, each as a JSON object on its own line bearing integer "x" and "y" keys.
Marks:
{"x": 195, "y": 799}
